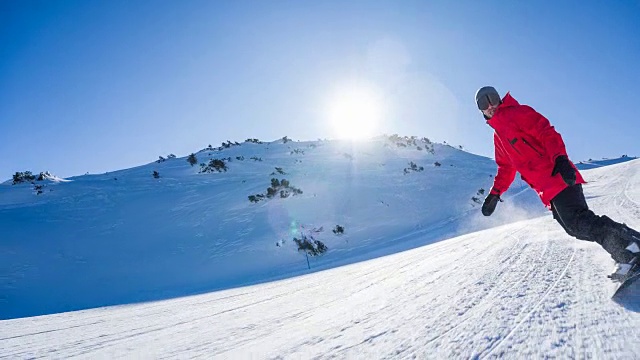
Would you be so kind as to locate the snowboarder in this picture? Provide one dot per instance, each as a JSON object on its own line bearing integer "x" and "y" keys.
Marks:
{"x": 526, "y": 142}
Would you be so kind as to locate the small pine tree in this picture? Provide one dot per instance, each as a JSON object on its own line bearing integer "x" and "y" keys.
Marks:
{"x": 214, "y": 165}
{"x": 156, "y": 174}
{"x": 20, "y": 177}
{"x": 321, "y": 248}
{"x": 256, "y": 198}
{"x": 191, "y": 159}
{"x": 219, "y": 164}
{"x": 310, "y": 247}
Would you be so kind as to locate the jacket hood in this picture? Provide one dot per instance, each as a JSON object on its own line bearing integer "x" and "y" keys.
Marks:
{"x": 508, "y": 100}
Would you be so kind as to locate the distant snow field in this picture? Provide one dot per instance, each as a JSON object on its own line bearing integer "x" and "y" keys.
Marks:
{"x": 184, "y": 264}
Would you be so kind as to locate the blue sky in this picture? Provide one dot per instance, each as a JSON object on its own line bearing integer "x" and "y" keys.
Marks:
{"x": 95, "y": 86}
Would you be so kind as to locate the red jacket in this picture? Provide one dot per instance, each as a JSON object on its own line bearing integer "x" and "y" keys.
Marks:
{"x": 526, "y": 142}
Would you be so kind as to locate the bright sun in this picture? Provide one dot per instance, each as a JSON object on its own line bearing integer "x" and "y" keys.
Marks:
{"x": 355, "y": 112}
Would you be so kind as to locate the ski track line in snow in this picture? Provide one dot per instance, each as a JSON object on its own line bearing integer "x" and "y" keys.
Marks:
{"x": 535, "y": 308}
{"x": 628, "y": 183}
{"x": 52, "y": 330}
{"x": 479, "y": 300}
{"x": 496, "y": 289}
{"x": 142, "y": 331}
{"x": 148, "y": 306}
{"x": 624, "y": 204}
{"x": 408, "y": 344}
{"x": 493, "y": 287}
{"x": 145, "y": 330}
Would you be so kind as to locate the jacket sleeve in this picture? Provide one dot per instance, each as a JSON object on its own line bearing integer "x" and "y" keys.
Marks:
{"x": 506, "y": 171}
{"x": 539, "y": 128}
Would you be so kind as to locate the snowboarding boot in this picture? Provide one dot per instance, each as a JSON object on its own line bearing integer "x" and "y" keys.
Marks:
{"x": 615, "y": 238}
{"x": 628, "y": 288}
{"x": 622, "y": 269}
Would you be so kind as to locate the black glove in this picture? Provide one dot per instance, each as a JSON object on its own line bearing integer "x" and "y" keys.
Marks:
{"x": 490, "y": 203}
{"x": 563, "y": 166}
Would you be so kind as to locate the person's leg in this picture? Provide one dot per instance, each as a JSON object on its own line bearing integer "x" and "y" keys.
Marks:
{"x": 556, "y": 216}
{"x": 570, "y": 209}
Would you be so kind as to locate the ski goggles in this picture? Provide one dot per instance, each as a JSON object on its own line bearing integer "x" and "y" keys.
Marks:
{"x": 486, "y": 100}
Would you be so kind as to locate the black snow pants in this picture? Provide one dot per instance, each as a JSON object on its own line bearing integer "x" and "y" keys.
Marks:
{"x": 570, "y": 209}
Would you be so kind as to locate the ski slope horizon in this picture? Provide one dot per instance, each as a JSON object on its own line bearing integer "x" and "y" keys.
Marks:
{"x": 520, "y": 288}
{"x": 581, "y": 164}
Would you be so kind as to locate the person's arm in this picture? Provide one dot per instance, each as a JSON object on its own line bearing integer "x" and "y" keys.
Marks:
{"x": 506, "y": 171}
{"x": 539, "y": 127}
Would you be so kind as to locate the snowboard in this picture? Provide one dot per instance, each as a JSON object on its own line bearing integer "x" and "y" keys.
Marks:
{"x": 628, "y": 292}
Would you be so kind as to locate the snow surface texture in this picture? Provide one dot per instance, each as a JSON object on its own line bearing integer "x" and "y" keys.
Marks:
{"x": 513, "y": 285}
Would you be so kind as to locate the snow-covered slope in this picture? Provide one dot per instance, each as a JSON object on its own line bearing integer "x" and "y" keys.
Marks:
{"x": 126, "y": 236}
{"x": 520, "y": 290}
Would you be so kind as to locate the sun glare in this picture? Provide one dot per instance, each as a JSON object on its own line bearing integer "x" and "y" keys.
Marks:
{"x": 355, "y": 112}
